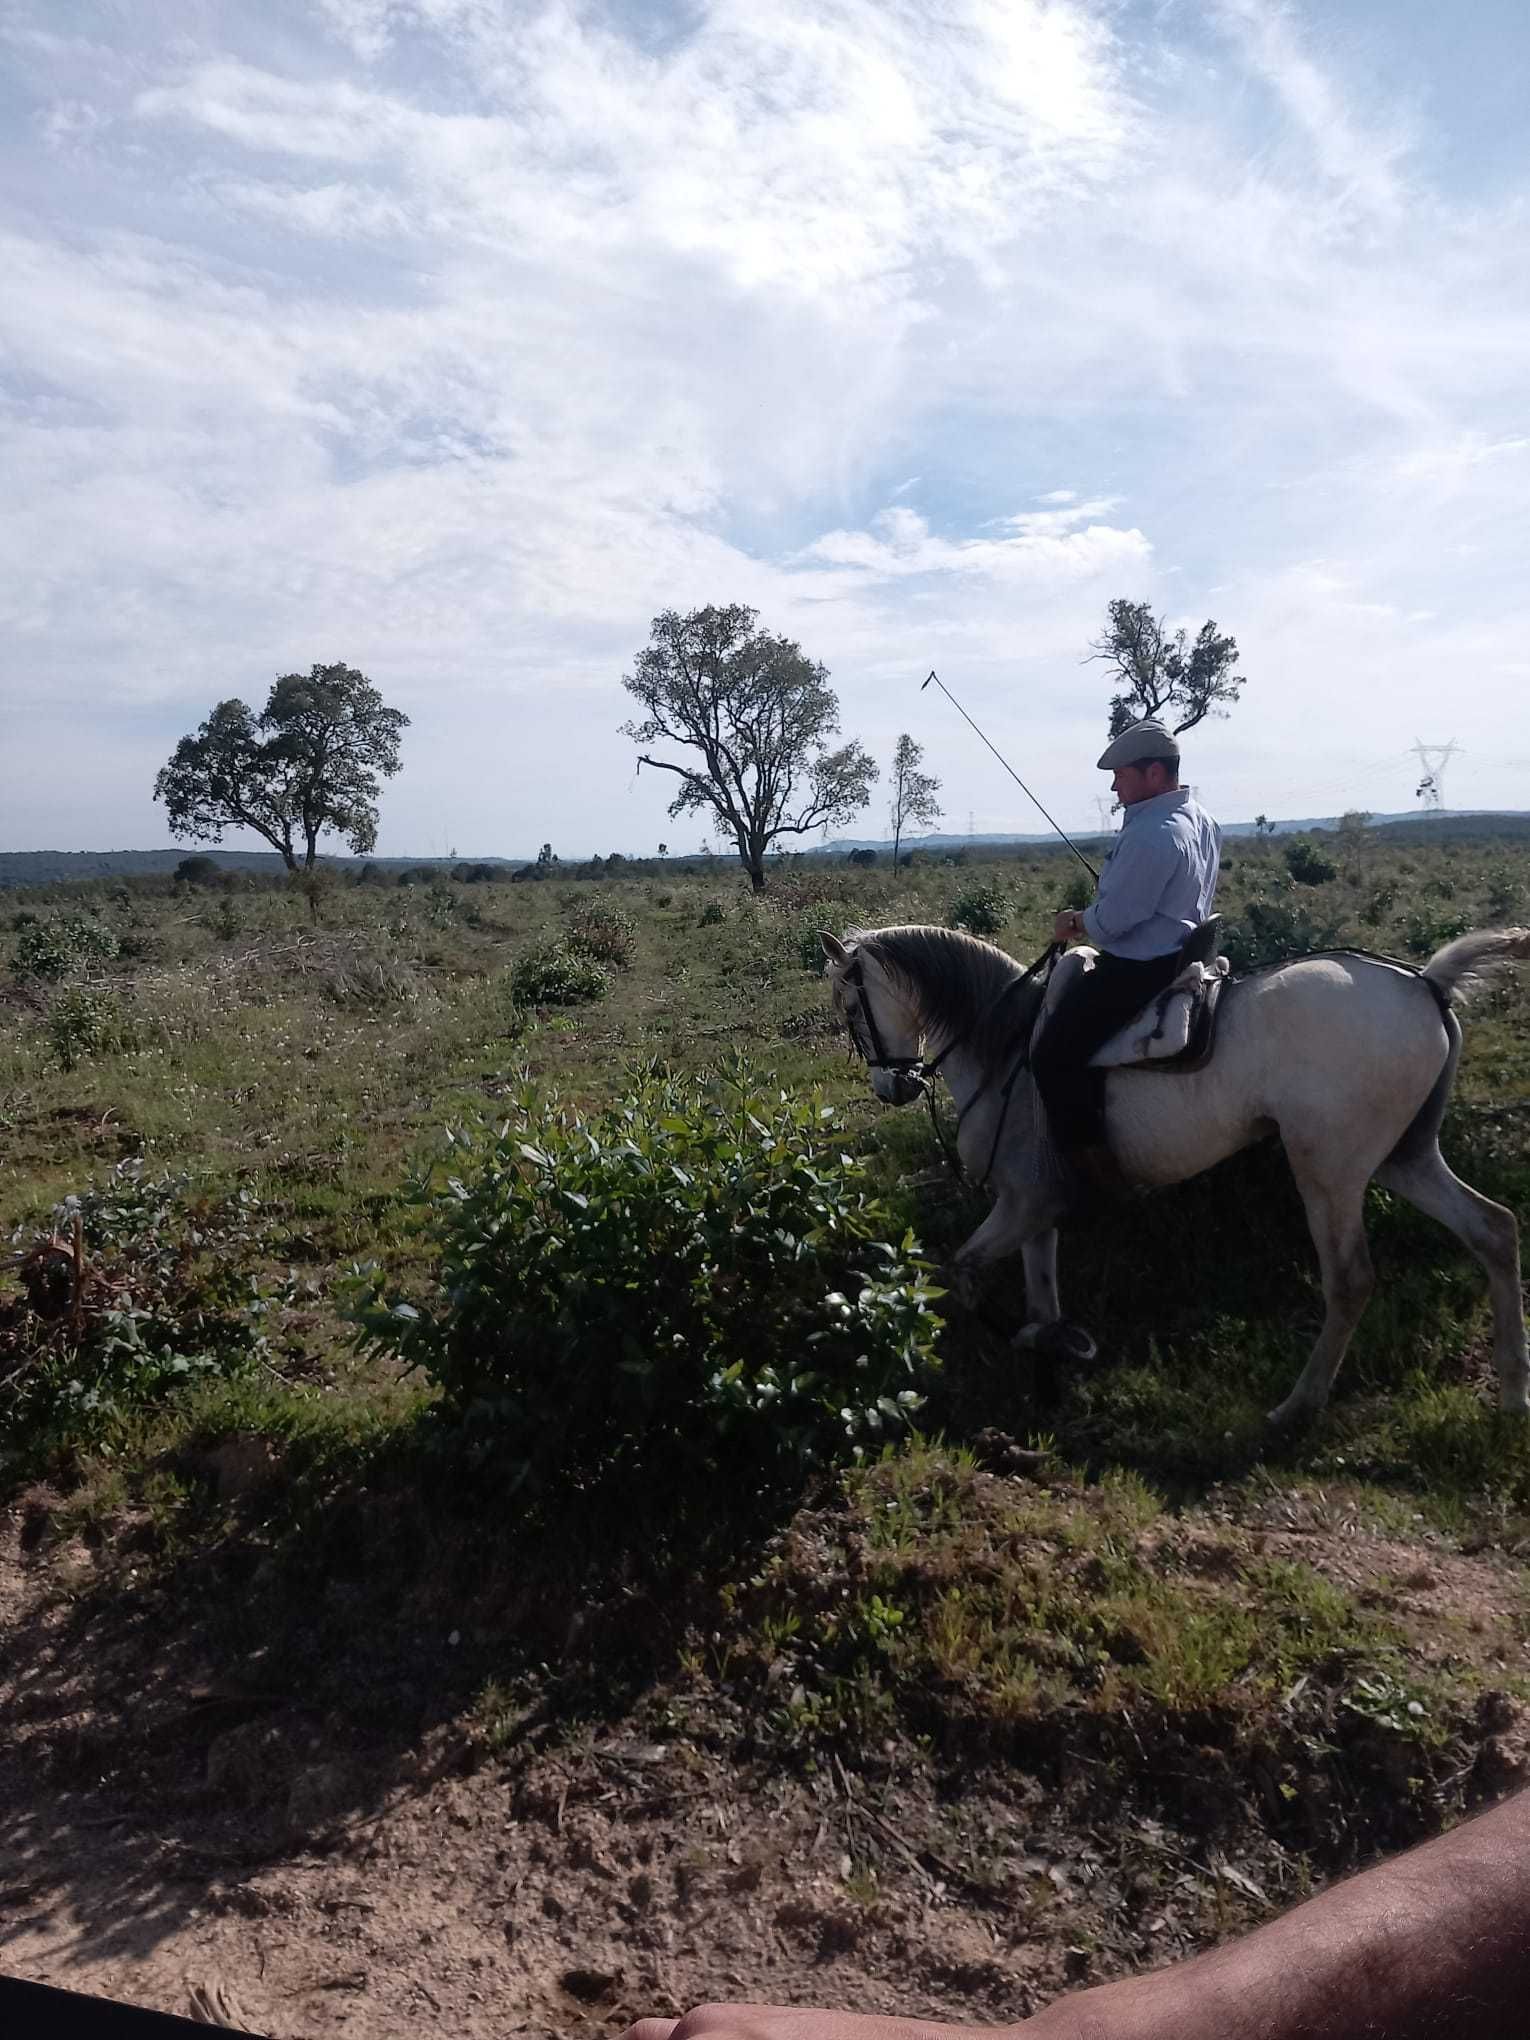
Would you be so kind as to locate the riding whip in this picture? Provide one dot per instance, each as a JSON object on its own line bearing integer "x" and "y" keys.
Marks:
{"x": 1014, "y": 775}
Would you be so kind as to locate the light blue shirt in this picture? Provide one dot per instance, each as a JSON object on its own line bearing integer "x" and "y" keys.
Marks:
{"x": 1159, "y": 880}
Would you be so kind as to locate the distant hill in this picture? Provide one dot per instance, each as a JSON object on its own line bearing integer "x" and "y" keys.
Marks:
{"x": 74, "y": 867}
{"x": 1455, "y": 824}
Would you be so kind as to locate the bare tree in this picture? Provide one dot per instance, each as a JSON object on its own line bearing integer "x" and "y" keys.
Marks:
{"x": 758, "y": 714}
{"x": 1161, "y": 672}
{"x": 913, "y": 792}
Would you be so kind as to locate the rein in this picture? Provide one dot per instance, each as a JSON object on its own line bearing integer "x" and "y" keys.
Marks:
{"x": 920, "y": 1069}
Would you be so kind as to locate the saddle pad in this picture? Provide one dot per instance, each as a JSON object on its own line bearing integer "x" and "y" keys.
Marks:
{"x": 1165, "y": 1027}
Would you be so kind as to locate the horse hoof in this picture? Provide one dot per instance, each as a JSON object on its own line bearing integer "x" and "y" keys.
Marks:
{"x": 1290, "y": 1417}
{"x": 1064, "y": 1341}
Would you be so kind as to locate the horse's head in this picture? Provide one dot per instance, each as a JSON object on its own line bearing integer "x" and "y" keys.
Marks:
{"x": 882, "y": 1025}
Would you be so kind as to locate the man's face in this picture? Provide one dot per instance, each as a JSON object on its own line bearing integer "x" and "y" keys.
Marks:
{"x": 1131, "y": 783}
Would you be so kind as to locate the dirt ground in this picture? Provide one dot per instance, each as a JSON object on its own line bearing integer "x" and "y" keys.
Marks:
{"x": 171, "y": 1842}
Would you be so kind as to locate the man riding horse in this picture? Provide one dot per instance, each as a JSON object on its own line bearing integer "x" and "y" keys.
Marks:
{"x": 1156, "y": 887}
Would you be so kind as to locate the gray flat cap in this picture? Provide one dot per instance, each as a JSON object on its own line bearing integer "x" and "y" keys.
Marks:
{"x": 1142, "y": 740}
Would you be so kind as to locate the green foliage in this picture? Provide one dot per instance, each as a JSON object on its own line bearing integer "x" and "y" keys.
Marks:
{"x": 199, "y": 871}
{"x": 713, "y": 914}
{"x": 1161, "y": 673}
{"x": 597, "y": 927}
{"x": 553, "y": 974}
{"x": 980, "y": 909}
{"x": 1079, "y": 890}
{"x": 696, "y": 1280}
{"x": 1272, "y": 930}
{"x": 62, "y": 947}
{"x": 151, "y": 1301}
{"x": 87, "y": 1020}
{"x": 758, "y": 715}
{"x": 1308, "y": 864}
{"x": 308, "y": 764}
{"x": 1426, "y": 930}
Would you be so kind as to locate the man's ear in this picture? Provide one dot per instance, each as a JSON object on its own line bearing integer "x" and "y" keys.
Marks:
{"x": 833, "y": 948}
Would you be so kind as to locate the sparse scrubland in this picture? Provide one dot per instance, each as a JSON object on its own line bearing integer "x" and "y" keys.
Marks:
{"x": 503, "y": 1514}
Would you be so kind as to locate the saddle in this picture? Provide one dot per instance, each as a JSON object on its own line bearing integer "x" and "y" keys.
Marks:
{"x": 1176, "y": 1031}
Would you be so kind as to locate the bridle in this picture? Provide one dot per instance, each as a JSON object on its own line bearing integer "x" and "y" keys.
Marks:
{"x": 919, "y": 1069}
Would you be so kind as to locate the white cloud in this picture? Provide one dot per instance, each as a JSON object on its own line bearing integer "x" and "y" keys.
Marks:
{"x": 458, "y": 339}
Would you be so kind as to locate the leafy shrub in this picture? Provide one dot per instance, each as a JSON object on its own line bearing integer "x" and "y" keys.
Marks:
{"x": 552, "y": 974}
{"x": 696, "y": 1279}
{"x": 1271, "y": 931}
{"x": 713, "y": 914}
{"x": 86, "y": 1020}
{"x": 1425, "y": 932}
{"x": 1079, "y": 891}
{"x": 135, "y": 1290}
{"x": 980, "y": 909}
{"x": 63, "y": 948}
{"x": 597, "y": 927}
{"x": 1308, "y": 864}
{"x": 1380, "y": 902}
{"x": 1505, "y": 892}
{"x": 804, "y": 940}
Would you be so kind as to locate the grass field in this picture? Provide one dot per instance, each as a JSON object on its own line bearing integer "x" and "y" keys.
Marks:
{"x": 1109, "y": 1578}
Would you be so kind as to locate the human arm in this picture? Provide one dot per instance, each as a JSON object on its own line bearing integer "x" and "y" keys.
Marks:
{"x": 1434, "y": 1945}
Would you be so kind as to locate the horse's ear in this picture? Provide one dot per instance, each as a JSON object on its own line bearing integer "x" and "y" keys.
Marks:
{"x": 833, "y": 948}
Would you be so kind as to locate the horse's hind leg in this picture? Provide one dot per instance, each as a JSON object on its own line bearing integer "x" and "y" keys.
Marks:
{"x": 1491, "y": 1233}
{"x": 1335, "y": 1217}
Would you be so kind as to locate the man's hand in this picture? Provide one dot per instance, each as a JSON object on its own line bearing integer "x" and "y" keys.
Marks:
{"x": 1069, "y": 926}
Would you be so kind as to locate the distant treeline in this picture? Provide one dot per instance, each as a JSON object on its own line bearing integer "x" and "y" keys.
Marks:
{"x": 78, "y": 867}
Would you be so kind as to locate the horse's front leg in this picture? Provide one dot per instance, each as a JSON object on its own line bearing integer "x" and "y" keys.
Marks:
{"x": 1044, "y": 1328}
{"x": 1001, "y": 1234}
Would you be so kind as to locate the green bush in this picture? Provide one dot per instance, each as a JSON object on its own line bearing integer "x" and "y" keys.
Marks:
{"x": 980, "y": 909}
{"x": 155, "y": 1302}
{"x": 552, "y": 974}
{"x": 1307, "y": 864}
{"x": 63, "y": 948}
{"x": 86, "y": 1020}
{"x": 1270, "y": 931}
{"x": 696, "y": 1280}
{"x": 598, "y": 928}
{"x": 713, "y": 914}
{"x": 1425, "y": 932}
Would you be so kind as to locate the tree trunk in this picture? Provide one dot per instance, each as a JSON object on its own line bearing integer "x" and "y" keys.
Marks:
{"x": 897, "y": 839}
{"x": 756, "y": 870}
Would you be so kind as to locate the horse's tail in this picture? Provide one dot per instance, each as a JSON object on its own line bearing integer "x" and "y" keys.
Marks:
{"x": 1464, "y": 966}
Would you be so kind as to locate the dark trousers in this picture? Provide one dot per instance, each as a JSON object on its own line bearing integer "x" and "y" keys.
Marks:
{"x": 1095, "y": 1006}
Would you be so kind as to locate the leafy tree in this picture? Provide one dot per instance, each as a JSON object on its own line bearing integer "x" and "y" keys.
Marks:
{"x": 913, "y": 792}
{"x": 198, "y": 871}
{"x": 758, "y": 713}
{"x": 307, "y": 765}
{"x": 1161, "y": 673}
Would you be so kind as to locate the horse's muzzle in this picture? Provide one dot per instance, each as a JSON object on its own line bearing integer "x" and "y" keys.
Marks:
{"x": 895, "y": 1087}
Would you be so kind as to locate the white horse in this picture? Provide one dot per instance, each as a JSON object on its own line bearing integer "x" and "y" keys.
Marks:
{"x": 1349, "y": 1058}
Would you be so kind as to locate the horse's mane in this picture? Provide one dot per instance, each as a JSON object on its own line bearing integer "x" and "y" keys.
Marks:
{"x": 954, "y": 981}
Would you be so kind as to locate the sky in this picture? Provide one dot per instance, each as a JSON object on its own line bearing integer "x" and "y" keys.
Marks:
{"x": 456, "y": 339}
